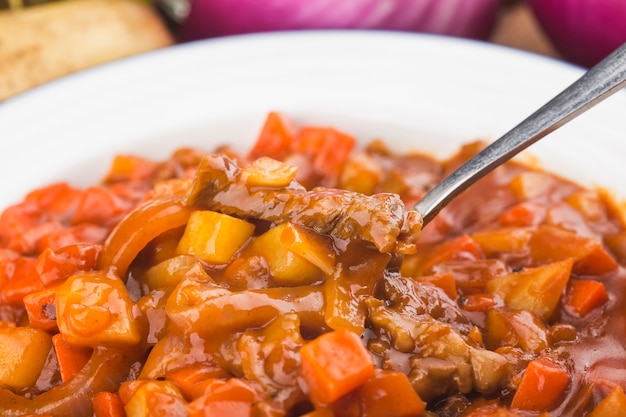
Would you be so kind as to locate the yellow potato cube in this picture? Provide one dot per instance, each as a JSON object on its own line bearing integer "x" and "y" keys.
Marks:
{"x": 94, "y": 308}
{"x": 214, "y": 237}
{"x": 23, "y": 352}
{"x": 268, "y": 172}
{"x": 312, "y": 246}
{"x": 149, "y": 393}
{"x": 506, "y": 239}
{"x": 534, "y": 289}
{"x": 286, "y": 267}
{"x": 167, "y": 274}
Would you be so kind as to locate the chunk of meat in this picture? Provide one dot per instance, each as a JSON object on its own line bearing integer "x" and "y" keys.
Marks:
{"x": 379, "y": 219}
{"x": 421, "y": 322}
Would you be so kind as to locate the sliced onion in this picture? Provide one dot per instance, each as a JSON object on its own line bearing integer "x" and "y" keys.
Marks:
{"x": 584, "y": 31}
{"x": 466, "y": 18}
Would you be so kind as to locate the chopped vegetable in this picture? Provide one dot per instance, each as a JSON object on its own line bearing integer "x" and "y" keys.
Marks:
{"x": 390, "y": 393}
{"x": 214, "y": 237}
{"x": 71, "y": 359}
{"x": 584, "y": 295}
{"x": 542, "y": 385}
{"x": 275, "y": 139}
{"x": 95, "y": 308}
{"x": 584, "y": 31}
{"x": 335, "y": 364}
{"x": 23, "y": 351}
{"x": 209, "y": 18}
{"x": 613, "y": 405}
{"x": 107, "y": 404}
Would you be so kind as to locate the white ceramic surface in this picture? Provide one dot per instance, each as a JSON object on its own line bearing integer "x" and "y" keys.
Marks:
{"x": 414, "y": 91}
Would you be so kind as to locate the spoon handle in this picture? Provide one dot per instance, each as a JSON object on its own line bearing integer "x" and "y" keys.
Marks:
{"x": 598, "y": 83}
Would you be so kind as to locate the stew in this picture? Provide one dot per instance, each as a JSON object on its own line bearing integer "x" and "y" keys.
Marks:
{"x": 293, "y": 280}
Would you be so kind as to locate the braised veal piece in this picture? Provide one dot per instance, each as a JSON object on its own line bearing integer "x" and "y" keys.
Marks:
{"x": 292, "y": 281}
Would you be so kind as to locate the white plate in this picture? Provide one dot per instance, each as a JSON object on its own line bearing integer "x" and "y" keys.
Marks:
{"x": 415, "y": 91}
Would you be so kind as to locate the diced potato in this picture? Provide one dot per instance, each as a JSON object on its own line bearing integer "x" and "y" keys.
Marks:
{"x": 313, "y": 247}
{"x": 362, "y": 174}
{"x": 533, "y": 184}
{"x": 286, "y": 266}
{"x": 517, "y": 329}
{"x": 617, "y": 245}
{"x": 23, "y": 352}
{"x": 589, "y": 204}
{"x": 535, "y": 289}
{"x": 490, "y": 370}
{"x": 167, "y": 274}
{"x": 94, "y": 308}
{"x": 613, "y": 405}
{"x": 214, "y": 237}
{"x": 152, "y": 398}
{"x": 268, "y": 172}
{"x": 506, "y": 239}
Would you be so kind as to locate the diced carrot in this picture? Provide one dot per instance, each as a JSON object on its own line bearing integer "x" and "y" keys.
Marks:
{"x": 233, "y": 398}
{"x": 7, "y": 265}
{"x": 551, "y": 243}
{"x": 57, "y": 200}
{"x": 17, "y": 219}
{"x": 462, "y": 247}
{"x": 54, "y": 266}
{"x": 107, "y": 404}
{"x": 334, "y": 364}
{"x": 100, "y": 206}
{"x": 390, "y": 393}
{"x": 617, "y": 245}
{"x": 29, "y": 241}
{"x": 478, "y": 302}
{"x": 275, "y": 139}
{"x": 522, "y": 214}
{"x": 471, "y": 276}
{"x": 542, "y": 386}
{"x": 597, "y": 262}
{"x": 41, "y": 310}
{"x": 71, "y": 358}
{"x": 445, "y": 282}
{"x": 23, "y": 281}
{"x": 584, "y": 295}
{"x": 189, "y": 377}
{"x": 328, "y": 147}
{"x": 75, "y": 235}
{"x": 203, "y": 389}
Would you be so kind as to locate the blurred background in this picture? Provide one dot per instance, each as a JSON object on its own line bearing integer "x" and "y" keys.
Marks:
{"x": 41, "y": 40}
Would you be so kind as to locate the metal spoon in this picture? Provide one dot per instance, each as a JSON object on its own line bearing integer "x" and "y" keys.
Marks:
{"x": 595, "y": 85}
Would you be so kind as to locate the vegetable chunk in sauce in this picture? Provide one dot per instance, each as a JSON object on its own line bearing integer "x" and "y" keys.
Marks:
{"x": 293, "y": 281}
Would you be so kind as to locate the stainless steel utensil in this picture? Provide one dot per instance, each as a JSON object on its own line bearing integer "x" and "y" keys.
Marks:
{"x": 595, "y": 85}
